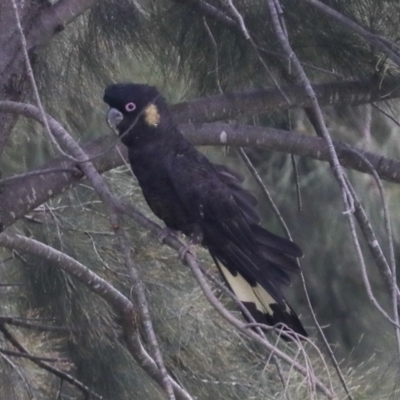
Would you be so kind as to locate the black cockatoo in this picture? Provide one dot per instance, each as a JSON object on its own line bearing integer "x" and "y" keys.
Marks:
{"x": 206, "y": 202}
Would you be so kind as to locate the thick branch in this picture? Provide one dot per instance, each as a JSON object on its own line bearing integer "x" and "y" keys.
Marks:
{"x": 40, "y": 22}
{"x": 33, "y": 191}
{"x": 289, "y": 142}
{"x": 250, "y": 102}
{"x": 55, "y": 18}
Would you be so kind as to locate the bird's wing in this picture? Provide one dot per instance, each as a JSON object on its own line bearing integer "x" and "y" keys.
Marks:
{"x": 211, "y": 201}
{"x": 254, "y": 262}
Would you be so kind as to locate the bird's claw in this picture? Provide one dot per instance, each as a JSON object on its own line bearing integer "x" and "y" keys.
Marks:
{"x": 187, "y": 248}
{"x": 165, "y": 232}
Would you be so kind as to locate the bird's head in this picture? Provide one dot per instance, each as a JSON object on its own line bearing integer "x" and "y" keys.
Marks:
{"x": 133, "y": 107}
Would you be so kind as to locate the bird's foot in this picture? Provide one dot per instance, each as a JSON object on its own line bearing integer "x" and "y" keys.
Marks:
{"x": 190, "y": 247}
{"x": 187, "y": 248}
{"x": 165, "y": 232}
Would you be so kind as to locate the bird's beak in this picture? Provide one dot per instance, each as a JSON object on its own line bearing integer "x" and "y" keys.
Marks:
{"x": 114, "y": 118}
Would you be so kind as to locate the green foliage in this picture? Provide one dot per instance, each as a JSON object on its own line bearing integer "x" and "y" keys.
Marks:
{"x": 167, "y": 43}
{"x": 207, "y": 355}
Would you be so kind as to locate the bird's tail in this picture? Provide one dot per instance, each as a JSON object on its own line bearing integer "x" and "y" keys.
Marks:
{"x": 256, "y": 263}
{"x": 264, "y": 301}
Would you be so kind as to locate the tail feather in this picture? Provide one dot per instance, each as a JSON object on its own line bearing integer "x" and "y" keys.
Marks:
{"x": 282, "y": 261}
{"x": 255, "y": 263}
{"x": 239, "y": 263}
{"x": 249, "y": 211}
{"x": 277, "y": 243}
{"x": 260, "y": 304}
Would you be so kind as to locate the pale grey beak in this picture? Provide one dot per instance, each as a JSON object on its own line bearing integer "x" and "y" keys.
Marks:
{"x": 114, "y": 118}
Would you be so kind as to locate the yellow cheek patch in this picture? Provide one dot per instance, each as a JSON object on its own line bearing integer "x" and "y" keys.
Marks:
{"x": 151, "y": 115}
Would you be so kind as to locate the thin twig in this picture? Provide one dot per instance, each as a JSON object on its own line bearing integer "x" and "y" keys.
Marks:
{"x": 386, "y": 114}
{"x": 36, "y": 327}
{"x": 39, "y": 172}
{"x": 374, "y": 40}
{"x": 33, "y": 82}
{"x": 364, "y": 274}
{"x": 215, "y": 47}
{"x": 393, "y": 282}
{"x": 275, "y": 10}
{"x": 31, "y": 357}
{"x": 55, "y": 371}
{"x": 247, "y": 36}
{"x": 62, "y": 136}
{"x": 105, "y": 290}
{"x": 265, "y": 191}
{"x": 297, "y": 182}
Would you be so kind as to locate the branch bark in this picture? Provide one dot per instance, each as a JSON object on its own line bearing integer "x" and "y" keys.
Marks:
{"x": 250, "y": 102}
{"x": 96, "y": 284}
{"x": 40, "y": 21}
{"x": 34, "y": 190}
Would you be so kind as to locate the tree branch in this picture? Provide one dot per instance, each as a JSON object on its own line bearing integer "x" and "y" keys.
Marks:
{"x": 30, "y": 356}
{"x": 156, "y": 231}
{"x": 374, "y": 40}
{"x": 54, "y": 19}
{"x": 99, "y": 286}
{"x": 256, "y": 101}
{"x": 36, "y": 327}
{"x": 219, "y": 134}
{"x": 53, "y": 370}
{"x": 36, "y": 189}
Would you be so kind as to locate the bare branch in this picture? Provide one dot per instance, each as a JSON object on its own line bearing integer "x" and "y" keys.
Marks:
{"x": 35, "y": 190}
{"x": 250, "y": 102}
{"x": 99, "y": 286}
{"x": 40, "y": 172}
{"x": 174, "y": 243}
{"x": 211, "y": 11}
{"x": 220, "y": 134}
{"x": 30, "y": 356}
{"x": 36, "y": 327}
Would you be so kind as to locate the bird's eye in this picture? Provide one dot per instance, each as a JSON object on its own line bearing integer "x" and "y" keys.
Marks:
{"x": 130, "y": 107}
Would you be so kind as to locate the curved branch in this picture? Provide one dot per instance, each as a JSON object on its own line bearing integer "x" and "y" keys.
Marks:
{"x": 174, "y": 243}
{"x": 73, "y": 267}
{"x": 96, "y": 284}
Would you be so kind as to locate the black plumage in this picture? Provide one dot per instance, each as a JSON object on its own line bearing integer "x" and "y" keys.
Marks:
{"x": 204, "y": 201}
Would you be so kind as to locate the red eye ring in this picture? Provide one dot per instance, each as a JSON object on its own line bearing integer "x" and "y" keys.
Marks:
{"x": 130, "y": 107}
